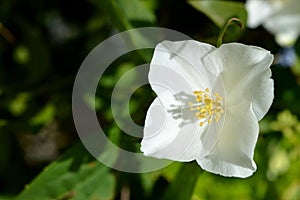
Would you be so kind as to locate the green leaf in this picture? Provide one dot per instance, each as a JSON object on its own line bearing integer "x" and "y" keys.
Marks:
{"x": 19, "y": 105}
{"x": 75, "y": 176}
{"x": 183, "y": 185}
{"x": 115, "y": 13}
{"x": 136, "y": 10}
{"x": 44, "y": 116}
{"x": 221, "y": 11}
{"x": 210, "y": 186}
{"x": 6, "y": 198}
{"x": 127, "y": 14}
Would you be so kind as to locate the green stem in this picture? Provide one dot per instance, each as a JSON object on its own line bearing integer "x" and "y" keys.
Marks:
{"x": 231, "y": 21}
{"x": 183, "y": 185}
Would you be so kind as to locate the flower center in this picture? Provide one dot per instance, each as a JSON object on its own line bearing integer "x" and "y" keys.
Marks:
{"x": 207, "y": 107}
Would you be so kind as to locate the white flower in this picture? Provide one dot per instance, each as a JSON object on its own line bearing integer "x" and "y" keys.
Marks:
{"x": 280, "y": 17}
{"x": 209, "y": 101}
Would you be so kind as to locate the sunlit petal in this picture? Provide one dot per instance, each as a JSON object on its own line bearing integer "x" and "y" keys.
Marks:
{"x": 233, "y": 153}
{"x": 245, "y": 72}
{"x": 208, "y": 104}
{"x": 177, "y": 67}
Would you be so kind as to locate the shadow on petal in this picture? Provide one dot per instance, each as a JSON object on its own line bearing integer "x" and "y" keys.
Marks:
{"x": 183, "y": 111}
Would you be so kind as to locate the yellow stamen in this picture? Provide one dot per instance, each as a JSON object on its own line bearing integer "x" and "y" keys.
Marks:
{"x": 207, "y": 107}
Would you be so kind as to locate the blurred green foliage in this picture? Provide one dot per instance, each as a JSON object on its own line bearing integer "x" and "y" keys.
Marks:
{"x": 42, "y": 44}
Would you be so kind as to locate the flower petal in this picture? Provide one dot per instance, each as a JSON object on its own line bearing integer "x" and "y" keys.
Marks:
{"x": 173, "y": 130}
{"x": 246, "y": 75}
{"x": 233, "y": 153}
{"x": 167, "y": 136}
{"x": 287, "y": 39}
{"x": 258, "y": 11}
{"x": 285, "y": 25}
{"x": 177, "y": 67}
{"x": 281, "y": 18}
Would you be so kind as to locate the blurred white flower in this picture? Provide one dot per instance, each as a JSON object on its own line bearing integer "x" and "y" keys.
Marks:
{"x": 209, "y": 101}
{"x": 280, "y": 17}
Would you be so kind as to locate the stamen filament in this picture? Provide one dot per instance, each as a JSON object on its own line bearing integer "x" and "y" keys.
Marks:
{"x": 208, "y": 107}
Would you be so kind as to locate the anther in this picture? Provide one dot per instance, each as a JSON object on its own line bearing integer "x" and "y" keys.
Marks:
{"x": 208, "y": 107}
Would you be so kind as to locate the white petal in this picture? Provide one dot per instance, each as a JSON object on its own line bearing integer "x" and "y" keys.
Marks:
{"x": 257, "y": 11}
{"x": 167, "y": 135}
{"x": 246, "y": 75}
{"x": 287, "y": 39}
{"x": 286, "y": 27}
{"x": 281, "y": 18}
{"x": 284, "y": 22}
{"x": 177, "y": 67}
{"x": 171, "y": 130}
{"x": 233, "y": 153}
